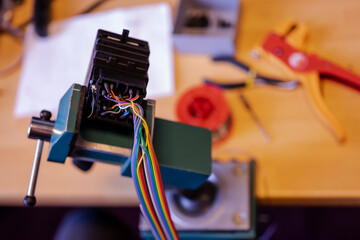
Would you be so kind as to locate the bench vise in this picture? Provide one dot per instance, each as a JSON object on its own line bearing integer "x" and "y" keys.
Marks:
{"x": 88, "y": 131}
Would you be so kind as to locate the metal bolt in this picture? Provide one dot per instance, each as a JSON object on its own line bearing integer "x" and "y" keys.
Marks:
{"x": 240, "y": 217}
{"x": 278, "y": 52}
{"x": 238, "y": 171}
{"x": 255, "y": 53}
{"x": 237, "y": 218}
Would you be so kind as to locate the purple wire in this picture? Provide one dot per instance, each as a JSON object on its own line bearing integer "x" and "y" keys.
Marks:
{"x": 110, "y": 99}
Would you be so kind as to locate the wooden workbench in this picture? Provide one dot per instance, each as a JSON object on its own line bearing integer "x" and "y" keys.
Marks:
{"x": 303, "y": 164}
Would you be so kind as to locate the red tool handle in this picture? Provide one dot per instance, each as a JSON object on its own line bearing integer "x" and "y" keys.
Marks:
{"x": 301, "y": 62}
{"x": 340, "y": 74}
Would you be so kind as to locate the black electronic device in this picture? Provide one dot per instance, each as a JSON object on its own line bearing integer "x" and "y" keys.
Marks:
{"x": 118, "y": 66}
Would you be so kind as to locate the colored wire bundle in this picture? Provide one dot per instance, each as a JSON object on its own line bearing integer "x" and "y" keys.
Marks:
{"x": 145, "y": 171}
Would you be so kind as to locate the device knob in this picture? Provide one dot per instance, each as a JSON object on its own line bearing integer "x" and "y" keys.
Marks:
{"x": 194, "y": 202}
{"x": 29, "y": 201}
{"x": 45, "y": 115}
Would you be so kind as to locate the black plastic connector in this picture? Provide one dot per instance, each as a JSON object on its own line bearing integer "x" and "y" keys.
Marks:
{"x": 119, "y": 64}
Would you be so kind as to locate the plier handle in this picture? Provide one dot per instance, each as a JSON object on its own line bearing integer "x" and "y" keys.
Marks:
{"x": 301, "y": 62}
{"x": 281, "y": 48}
{"x": 255, "y": 77}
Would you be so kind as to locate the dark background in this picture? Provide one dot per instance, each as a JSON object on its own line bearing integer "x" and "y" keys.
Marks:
{"x": 274, "y": 222}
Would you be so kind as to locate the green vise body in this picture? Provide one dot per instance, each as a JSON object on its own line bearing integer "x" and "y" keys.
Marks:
{"x": 183, "y": 151}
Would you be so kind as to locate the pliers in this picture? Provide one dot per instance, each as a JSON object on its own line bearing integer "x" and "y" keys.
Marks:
{"x": 253, "y": 77}
{"x": 281, "y": 48}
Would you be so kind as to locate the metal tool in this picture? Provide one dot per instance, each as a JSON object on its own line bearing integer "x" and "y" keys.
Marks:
{"x": 253, "y": 77}
{"x": 281, "y": 48}
{"x": 255, "y": 117}
{"x": 40, "y": 129}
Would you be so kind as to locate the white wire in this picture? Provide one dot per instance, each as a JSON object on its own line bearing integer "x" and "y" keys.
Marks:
{"x": 116, "y": 112}
{"x": 92, "y": 104}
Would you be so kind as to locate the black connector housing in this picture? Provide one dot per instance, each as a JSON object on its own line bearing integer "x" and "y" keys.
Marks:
{"x": 119, "y": 64}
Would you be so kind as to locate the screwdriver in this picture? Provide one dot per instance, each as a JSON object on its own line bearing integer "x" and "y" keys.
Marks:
{"x": 255, "y": 118}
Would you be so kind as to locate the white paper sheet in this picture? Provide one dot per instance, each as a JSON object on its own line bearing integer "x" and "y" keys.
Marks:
{"x": 52, "y": 64}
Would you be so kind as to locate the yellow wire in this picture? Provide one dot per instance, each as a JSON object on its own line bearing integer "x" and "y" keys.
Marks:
{"x": 140, "y": 161}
